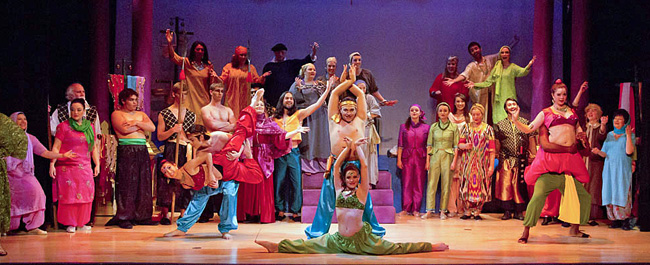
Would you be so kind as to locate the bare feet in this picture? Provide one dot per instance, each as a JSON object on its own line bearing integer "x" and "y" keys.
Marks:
{"x": 270, "y": 246}
{"x": 3, "y": 252}
{"x": 439, "y": 247}
{"x": 226, "y": 236}
{"x": 36, "y": 231}
{"x": 174, "y": 233}
{"x": 524, "y": 236}
{"x": 402, "y": 213}
{"x": 575, "y": 232}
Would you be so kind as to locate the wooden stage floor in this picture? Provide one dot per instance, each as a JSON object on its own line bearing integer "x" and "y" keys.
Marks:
{"x": 471, "y": 242}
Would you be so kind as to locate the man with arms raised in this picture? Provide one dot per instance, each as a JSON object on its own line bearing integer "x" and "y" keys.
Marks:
{"x": 347, "y": 119}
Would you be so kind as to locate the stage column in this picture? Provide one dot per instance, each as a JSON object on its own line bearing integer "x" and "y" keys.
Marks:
{"x": 579, "y": 50}
{"x": 142, "y": 35}
{"x": 99, "y": 65}
{"x": 542, "y": 46}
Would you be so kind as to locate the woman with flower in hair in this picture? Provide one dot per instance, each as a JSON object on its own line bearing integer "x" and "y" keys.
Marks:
{"x": 503, "y": 76}
{"x": 477, "y": 149}
{"x": 412, "y": 159}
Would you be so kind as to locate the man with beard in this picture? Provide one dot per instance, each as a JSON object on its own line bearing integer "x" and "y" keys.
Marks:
{"x": 133, "y": 177}
{"x": 62, "y": 111}
{"x": 347, "y": 119}
{"x": 478, "y": 71}
{"x": 287, "y": 167}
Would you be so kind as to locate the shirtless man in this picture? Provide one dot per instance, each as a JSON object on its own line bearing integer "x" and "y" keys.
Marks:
{"x": 216, "y": 116}
{"x": 234, "y": 170}
{"x": 348, "y": 119}
{"x": 133, "y": 177}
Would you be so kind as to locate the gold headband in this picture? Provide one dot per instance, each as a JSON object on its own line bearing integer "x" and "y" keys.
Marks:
{"x": 348, "y": 103}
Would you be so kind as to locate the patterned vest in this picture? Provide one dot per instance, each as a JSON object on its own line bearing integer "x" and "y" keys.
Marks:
{"x": 64, "y": 115}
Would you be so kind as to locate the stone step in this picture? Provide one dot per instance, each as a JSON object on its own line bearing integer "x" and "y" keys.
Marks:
{"x": 382, "y": 197}
{"x": 315, "y": 181}
{"x": 385, "y": 214}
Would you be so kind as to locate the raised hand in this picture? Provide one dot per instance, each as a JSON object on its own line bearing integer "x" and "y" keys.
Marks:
{"x": 298, "y": 83}
{"x": 604, "y": 119}
{"x": 344, "y": 74}
{"x": 347, "y": 141}
{"x": 629, "y": 130}
{"x": 532, "y": 60}
{"x": 352, "y": 73}
{"x": 303, "y": 129}
{"x": 169, "y": 35}
{"x": 469, "y": 84}
{"x": 314, "y": 48}
{"x": 584, "y": 86}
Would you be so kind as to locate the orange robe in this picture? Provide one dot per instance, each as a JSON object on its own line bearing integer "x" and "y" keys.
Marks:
{"x": 238, "y": 91}
{"x": 198, "y": 82}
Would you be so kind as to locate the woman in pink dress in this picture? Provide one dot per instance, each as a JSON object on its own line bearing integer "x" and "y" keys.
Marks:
{"x": 256, "y": 201}
{"x": 238, "y": 76}
{"x": 73, "y": 186}
{"x": 27, "y": 196}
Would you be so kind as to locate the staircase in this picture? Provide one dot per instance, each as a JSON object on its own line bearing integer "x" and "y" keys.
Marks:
{"x": 382, "y": 197}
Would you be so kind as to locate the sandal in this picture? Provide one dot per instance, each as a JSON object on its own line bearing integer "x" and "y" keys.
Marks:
{"x": 3, "y": 252}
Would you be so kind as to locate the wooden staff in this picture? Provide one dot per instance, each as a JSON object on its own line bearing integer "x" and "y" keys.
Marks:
{"x": 178, "y": 134}
{"x": 49, "y": 145}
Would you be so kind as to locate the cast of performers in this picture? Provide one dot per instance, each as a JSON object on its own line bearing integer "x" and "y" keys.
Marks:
{"x": 441, "y": 146}
{"x": 460, "y": 117}
{"x": 255, "y": 201}
{"x": 199, "y": 73}
{"x": 559, "y": 136}
{"x": 513, "y": 149}
{"x": 238, "y": 76}
{"x": 133, "y": 175}
{"x": 596, "y": 131}
{"x": 617, "y": 150}
{"x": 347, "y": 119}
{"x": 477, "y": 153}
{"x": 287, "y": 174}
{"x": 306, "y": 91}
{"x": 171, "y": 131}
{"x": 228, "y": 150}
{"x": 354, "y": 235}
{"x": 283, "y": 71}
{"x": 27, "y": 196}
{"x": 503, "y": 77}
{"x": 73, "y": 186}
{"x": 412, "y": 159}
{"x": 13, "y": 142}
{"x": 446, "y": 93}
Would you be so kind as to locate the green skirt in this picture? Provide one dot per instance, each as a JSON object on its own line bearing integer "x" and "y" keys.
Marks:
{"x": 363, "y": 242}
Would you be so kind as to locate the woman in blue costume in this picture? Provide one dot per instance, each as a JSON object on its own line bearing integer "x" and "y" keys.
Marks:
{"x": 354, "y": 235}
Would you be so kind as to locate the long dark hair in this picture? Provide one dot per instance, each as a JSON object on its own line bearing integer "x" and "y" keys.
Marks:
{"x": 408, "y": 121}
{"x": 206, "y": 57}
{"x": 465, "y": 110}
{"x": 279, "y": 109}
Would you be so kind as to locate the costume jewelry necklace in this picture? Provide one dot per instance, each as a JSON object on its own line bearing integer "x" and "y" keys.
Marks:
{"x": 564, "y": 108}
{"x": 440, "y": 126}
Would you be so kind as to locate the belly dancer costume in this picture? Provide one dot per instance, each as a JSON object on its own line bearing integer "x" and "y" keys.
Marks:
{"x": 363, "y": 242}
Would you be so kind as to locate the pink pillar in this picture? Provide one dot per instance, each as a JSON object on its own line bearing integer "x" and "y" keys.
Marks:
{"x": 142, "y": 37}
{"x": 579, "y": 51}
{"x": 542, "y": 46}
{"x": 99, "y": 36}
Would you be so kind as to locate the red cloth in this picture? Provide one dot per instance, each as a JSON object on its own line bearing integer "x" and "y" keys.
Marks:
{"x": 447, "y": 92}
{"x": 247, "y": 170}
{"x": 565, "y": 163}
{"x": 256, "y": 200}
